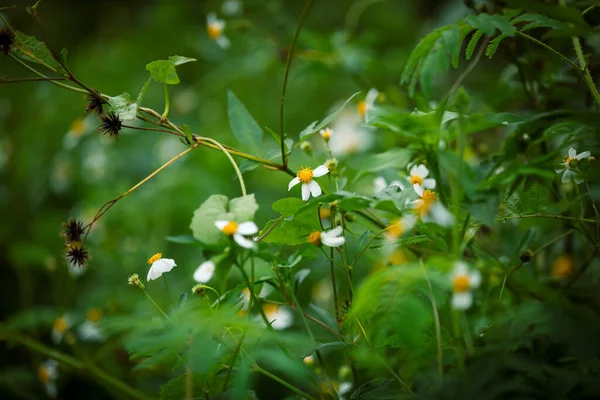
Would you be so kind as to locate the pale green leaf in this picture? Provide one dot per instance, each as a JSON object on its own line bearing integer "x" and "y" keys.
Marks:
{"x": 203, "y": 222}
{"x": 244, "y": 127}
{"x": 243, "y": 208}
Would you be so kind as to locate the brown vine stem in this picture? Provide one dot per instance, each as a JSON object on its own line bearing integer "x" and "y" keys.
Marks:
{"x": 288, "y": 64}
{"x": 85, "y": 367}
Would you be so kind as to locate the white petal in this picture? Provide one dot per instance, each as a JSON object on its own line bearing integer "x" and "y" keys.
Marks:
{"x": 379, "y": 184}
{"x": 293, "y": 183}
{"x": 247, "y": 228}
{"x": 371, "y": 96}
{"x": 320, "y": 171}
{"x": 223, "y": 42}
{"x": 429, "y": 183}
{"x": 423, "y": 171}
{"x": 460, "y": 268}
{"x": 211, "y": 18}
{"x": 397, "y": 183}
{"x": 474, "y": 279}
{"x": 583, "y": 155}
{"x": 159, "y": 267}
{"x": 418, "y": 203}
{"x": 89, "y": 331}
{"x": 414, "y": 171}
{"x": 344, "y": 388}
{"x": 305, "y": 191}
{"x": 572, "y": 152}
{"x": 462, "y": 301}
{"x": 567, "y": 176}
{"x": 558, "y": 171}
{"x": 418, "y": 189}
{"x": 265, "y": 290}
{"x": 315, "y": 189}
{"x": 204, "y": 272}
{"x": 50, "y": 388}
{"x": 221, "y": 224}
{"x": 242, "y": 241}
{"x": 332, "y": 241}
{"x": 441, "y": 215}
{"x": 56, "y": 336}
{"x": 408, "y": 222}
{"x": 337, "y": 231}
{"x": 283, "y": 318}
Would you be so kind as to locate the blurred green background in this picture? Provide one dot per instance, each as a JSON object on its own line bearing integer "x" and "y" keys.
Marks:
{"x": 54, "y": 164}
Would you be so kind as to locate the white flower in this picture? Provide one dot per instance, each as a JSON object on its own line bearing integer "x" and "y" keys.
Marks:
{"x": 463, "y": 281}
{"x": 329, "y": 239}
{"x": 60, "y": 327}
{"x": 309, "y": 186}
{"x": 380, "y": 183}
{"x": 326, "y": 134}
{"x": 400, "y": 226}
{"x": 570, "y": 166}
{"x": 430, "y": 209}
{"x": 48, "y": 374}
{"x": 204, "y": 272}
{"x": 350, "y": 136}
{"x": 159, "y": 266}
{"x": 232, "y": 8}
{"x": 89, "y": 330}
{"x": 367, "y": 104}
{"x": 215, "y": 28}
{"x": 238, "y": 231}
{"x": 418, "y": 174}
{"x": 279, "y": 317}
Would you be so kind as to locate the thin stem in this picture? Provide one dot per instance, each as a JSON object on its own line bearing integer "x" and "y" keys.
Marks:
{"x": 158, "y": 307}
{"x": 33, "y": 79}
{"x": 595, "y": 212}
{"x": 436, "y": 319}
{"x": 587, "y": 10}
{"x": 65, "y": 359}
{"x": 232, "y": 361}
{"x": 166, "y": 112}
{"x": 35, "y": 71}
{"x": 284, "y": 383}
{"x": 539, "y": 215}
{"x": 253, "y": 294}
{"x": 334, "y": 287}
{"x": 232, "y": 161}
{"x": 323, "y": 325}
{"x": 550, "y": 49}
{"x": 264, "y": 235}
{"x": 467, "y": 71}
{"x": 286, "y": 72}
{"x": 168, "y": 291}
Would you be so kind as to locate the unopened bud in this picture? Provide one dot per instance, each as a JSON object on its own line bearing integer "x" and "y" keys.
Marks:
{"x": 135, "y": 281}
{"x": 306, "y": 147}
{"x": 199, "y": 290}
{"x": 332, "y": 166}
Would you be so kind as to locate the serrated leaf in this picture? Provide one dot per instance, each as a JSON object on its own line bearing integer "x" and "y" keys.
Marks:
{"x": 493, "y": 46}
{"x": 243, "y": 208}
{"x": 203, "y": 222}
{"x": 561, "y": 13}
{"x": 473, "y": 44}
{"x": 28, "y": 48}
{"x": 123, "y": 106}
{"x": 244, "y": 127}
{"x": 490, "y": 23}
{"x": 421, "y": 51}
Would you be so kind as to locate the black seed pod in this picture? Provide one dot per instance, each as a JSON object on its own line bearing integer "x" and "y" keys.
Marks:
{"x": 77, "y": 255}
{"x": 95, "y": 102}
{"x": 7, "y": 38}
{"x": 526, "y": 256}
{"x": 73, "y": 230}
{"x": 111, "y": 125}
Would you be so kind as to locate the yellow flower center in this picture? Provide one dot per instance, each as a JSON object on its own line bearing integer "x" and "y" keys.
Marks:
{"x": 563, "y": 267}
{"x": 214, "y": 30}
{"x": 94, "y": 315}
{"x": 461, "y": 284}
{"x": 60, "y": 325}
{"x": 43, "y": 374}
{"x": 362, "y": 108}
{"x": 429, "y": 197}
{"x": 230, "y": 228}
{"x": 315, "y": 238}
{"x": 155, "y": 257}
{"x": 270, "y": 310}
{"x": 395, "y": 229}
{"x": 305, "y": 175}
{"x": 326, "y": 134}
{"x": 416, "y": 179}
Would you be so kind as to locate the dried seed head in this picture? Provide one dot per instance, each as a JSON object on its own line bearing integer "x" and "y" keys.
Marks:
{"x": 526, "y": 255}
{"x": 7, "y": 38}
{"x": 111, "y": 125}
{"x": 95, "y": 102}
{"x": 77, "y": 255}
{"x": 73, "y": 230}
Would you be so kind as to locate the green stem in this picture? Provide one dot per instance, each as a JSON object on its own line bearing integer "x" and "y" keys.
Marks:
{"x": 288, "y": 64}
{"x": 585, "y": 71}
{"x": 231, "y": 160}
{"x": 550, "y": 49}
{"x": 65, "y": 359}
{"x": 539, "y": 215}
{"x": 35, "y": 71}
{"x": 334, "y": 288}
{"x": 436, "y": 319}
{"x": 168, "y": 291}
{"x": 284, "y": 383}
{"x": 158, "y": 307}
{"x": 232, "y": 361}
{"x": 253, "y": 294}
{"x": 166, "y": 112}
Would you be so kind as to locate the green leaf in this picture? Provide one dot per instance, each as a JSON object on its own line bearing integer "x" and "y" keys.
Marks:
{"x": 538, "y": 21}
{"x": 490, "y": 23}
{"x": 203, "y": 222}
{"x": 243, "y": 208}
{"x": 493, "y": 46}
{"x": 473, "y": 44}
{"x": 561, "y": 13}
{"x": 28, "y": 48}
{"x": 123, "y": 106}
{"x": 395, "y": 158}
{"x": 182, "y": 239}
{"x": 422, "y": 49}
{"x": 143, "y": 92}
{"x": 314, "y": 127}
{"x": 244, "y": 127}
{"x": 163, "y": 71}
{"x": 182, "y": 299}
{"x": 188, "y": 133}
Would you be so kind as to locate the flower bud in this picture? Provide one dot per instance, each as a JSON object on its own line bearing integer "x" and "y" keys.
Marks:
{"x": 135, "y": 281}
{"x": 306, "y": 147}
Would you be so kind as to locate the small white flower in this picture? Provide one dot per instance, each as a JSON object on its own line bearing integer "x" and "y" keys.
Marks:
{"x": 232, "y": 8}
{"x": 350, "y": 136}
{"x": 326, "y": 134}
{"x": 570, "y": 166}
{"x": 430, "y": 209}
{"x": 238, "y": 231}
{"x": 215, "y": 28}
{"x": 367, "y": 104}
{"x": 48, "y": 374}
{"x": 380, "y": 183}
{"x": 204, "y": 272}
{"x": 463, "y": 281}
{"x": 333, "y": 238}
{"x": 400, "y": 226}
{"x": 278, "y": 316}
{"x": 60, "y": 327}
{"x": 309, "y": 186}
{"x": 159, "y": 266}
{"x": 418, "y": 174}
{"x": 89, "y": 329}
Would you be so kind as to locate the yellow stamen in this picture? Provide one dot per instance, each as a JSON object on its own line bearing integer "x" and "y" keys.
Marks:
{"x": 94, "y": 315}
{"x": 324, "y": 213}
{"x": 230, "y": 228}
{"x": 43, "y": 374}
{"x": 305, "y": 175}
{"x": 60, "y": 325}
{"x": 270, "y": 310}
{"x": 327, "y": 134}
{"x": 461, "y": 284}
{"x": 429, "y": 197}
{"x": 362, "y": 108}
{"x": 155, "y": 257}
{"x": 395, "y": 230}
{"x": 315, "y": 238}
{"x": 214, "y": 30}
{"x": 416, "y": 179}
